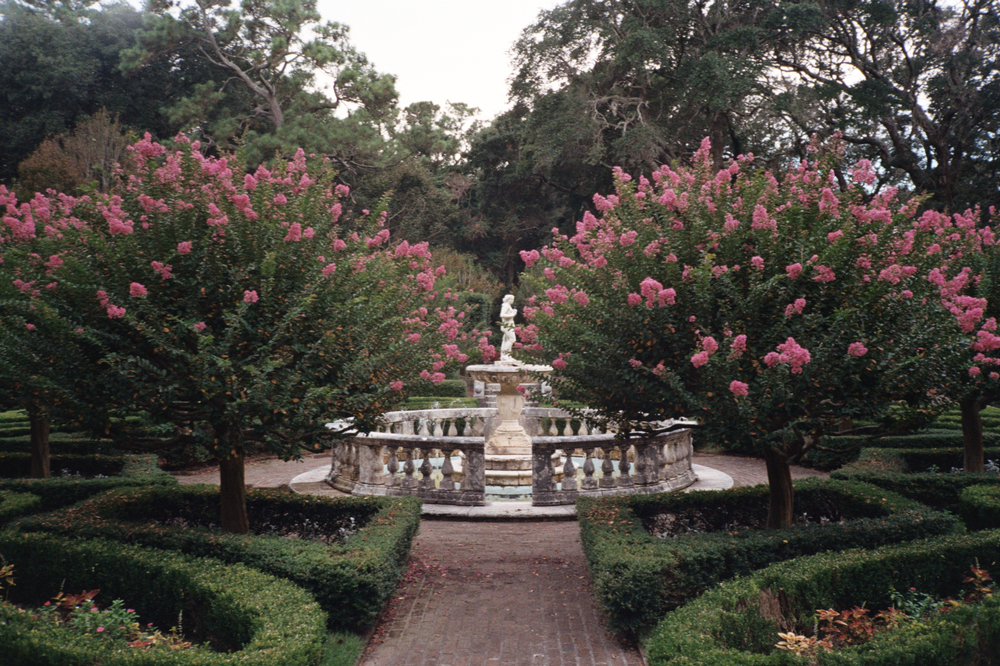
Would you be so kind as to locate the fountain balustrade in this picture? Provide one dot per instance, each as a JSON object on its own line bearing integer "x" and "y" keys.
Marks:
{"x": 439, "y": 455}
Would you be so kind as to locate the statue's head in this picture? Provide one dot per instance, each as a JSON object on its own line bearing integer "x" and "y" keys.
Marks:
{"x": 509, "y": 298}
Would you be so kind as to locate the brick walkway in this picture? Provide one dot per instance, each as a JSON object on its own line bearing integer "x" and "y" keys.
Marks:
{"x": 494, "y": 594}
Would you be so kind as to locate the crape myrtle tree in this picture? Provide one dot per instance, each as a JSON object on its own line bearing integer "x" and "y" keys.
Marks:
{"x": 768, "y": 307}
{"x": 238, "y": 306}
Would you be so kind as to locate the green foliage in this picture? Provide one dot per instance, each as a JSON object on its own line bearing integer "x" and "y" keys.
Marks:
{"x": 837, "y": 451}
{"x": 906, "y": 471}
{"x": 14, "y": 504}
{"x": 252, "y": 617}
{"x": 980, "y": 506}
{"x": 639, "y": 577}
{"x": 738, "y": 622}
{"x": 351, "y": 580}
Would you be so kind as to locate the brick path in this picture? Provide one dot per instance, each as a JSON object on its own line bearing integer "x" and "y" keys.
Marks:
{"x": 494, "y": 594}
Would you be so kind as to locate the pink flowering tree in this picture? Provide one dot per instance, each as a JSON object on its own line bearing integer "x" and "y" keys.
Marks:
{"x": 237, "y": 306}
{"x": 768, "y": 307}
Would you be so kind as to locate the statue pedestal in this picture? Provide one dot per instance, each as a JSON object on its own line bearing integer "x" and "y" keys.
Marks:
{"x": 508, "y": 448}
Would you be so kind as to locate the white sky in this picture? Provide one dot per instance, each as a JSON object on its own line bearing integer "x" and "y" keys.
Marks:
{"x": 440, "y": 50}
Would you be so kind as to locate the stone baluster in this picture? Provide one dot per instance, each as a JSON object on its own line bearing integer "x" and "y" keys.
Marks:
{"x": 543, "y": 474}
{"x": 408, "y": 468}
{"x": 589, "y": 482}
{"x": 569, "y": 473}
{"x": 640, "y": 464}
{"x": 407, "y": 427}
{"x": 607, "y": 469}
{"x": 624, "y": 466}
{"x": 452, "y": 428}
{"x": 568, "y": 428}
{"x": 438, "y": 430}
{"x": 392, "y": 466}
{"x": 467, "y": 426}
{"x": 474, "y": 473}
{"x": 426, "y": 483}
{"x": 553, "y": 428}
{"x": 447, "y": 483}
{"x": 583, "y": 428}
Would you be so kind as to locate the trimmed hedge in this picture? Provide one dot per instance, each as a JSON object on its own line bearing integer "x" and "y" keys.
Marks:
{"x": 638, "y": 577}
{"x": 891, "y": 469}
{"x": 449, "y": 388}
{"x": 980, "y": 506}
{"x": 13, "y": 505}
{"x": 18, "y": 465}
{"x": 61, "y": 444}
{"x": 351, "y": 580}
{"x": 738, "y": 622}
{"x": 59, "y": 492}
{"x": 841, "y": 450}
{"x": 253, "y": 618}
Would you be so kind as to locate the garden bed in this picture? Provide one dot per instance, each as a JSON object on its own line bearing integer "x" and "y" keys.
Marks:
{"x": 351, "y": 577}
{"x": 247, "y": 616}
{"x": 980, "y": 506}
{"x": 739, "y": 621}
{"x": 639, "y": 576}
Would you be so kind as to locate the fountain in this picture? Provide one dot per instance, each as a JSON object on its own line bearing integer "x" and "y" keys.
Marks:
{"x": 452, "y": 456}
{"x": 508, "y": 450}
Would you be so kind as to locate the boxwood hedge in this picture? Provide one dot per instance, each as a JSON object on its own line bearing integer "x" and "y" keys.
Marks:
{"x": 904, "y": 471}
{"x": 836, "y": 451}
{"x": 13, "y": 504}
{"x": 738, "y": 622}
{"x": 639, "y": 577}
{"x": 248, "y": 617}
{"x": 18, "y": 465}
{"x": 980, "y": 506}
{"x": 351, "y": 580}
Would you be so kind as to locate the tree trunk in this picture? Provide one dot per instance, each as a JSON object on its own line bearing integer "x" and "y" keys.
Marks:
{"x": 40, "y": 457}
{"x": 972, "y": 434}
{"x": 232, "y": 486}
{"x": 782, "y": 495}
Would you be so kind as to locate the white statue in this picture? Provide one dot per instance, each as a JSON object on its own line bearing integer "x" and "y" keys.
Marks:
{"x": 507, "y": 314}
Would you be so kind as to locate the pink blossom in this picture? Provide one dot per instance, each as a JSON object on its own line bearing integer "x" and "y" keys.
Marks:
{"x": 114, "y": 311}
{"x": 136, "y": 290}
{"x": 54, "y": 261}
{"x": 294, "y": 233}
{"x": 794, "y": 355}
{"x": 634, "y": 299}
{"x": 834, "y": 235}
{"x": 709, "y": 344}
{"x": 738, "y": 388}
{"x": 666, "y": 297}
{"x": 793, "y": 270}
{"x": 250, "y": 296}
{"x": 635, "y": 363}
{"x": 581, "y": 298}
{"x": 758, "y": 263}
{"x": 30, "y": 327}
{"x": 396, "y": 386}
{"x": 795, "y": 308}
{"x": 739, "y": 345}
{"x": 559, "y": 364}
{"x": 437, "y": 378}
{"x": 413, "y": 338}
{"x": 974, "y": 371}
{"x": 163, "y": 270}
{"x": 856, "y": 349}
{"x": 184, "y": 247}
{"x": 529, "y": 258}
{"x": 280, "y": 199}
{"x": 995, "y": 376}
{"x": 329, "y": 269}
{"x": 699, "y": 359}
{"x": 650, "y": 289}
{"x": 339, "y": 245}
{"x": 824, "y": 274}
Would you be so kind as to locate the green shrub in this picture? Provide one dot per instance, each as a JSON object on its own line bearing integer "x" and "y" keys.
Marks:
{"x": 251, "y": 617}
{"x": 56, "y": 493}
{"x": 980, "y": 506}
{"x": 904, "y": 471}
{"x": 61, "y": 444}
{"x": 638, "y": 577}
{"x": 13, "y": 505}
{"x": 836, "y": 451}
{"x": 444, "y": 403}
{"x": 738, "y": 622}
{"x": 17, "y": 465}
{"x": 449, "y": 388}
{"x": 351, "y": 580}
